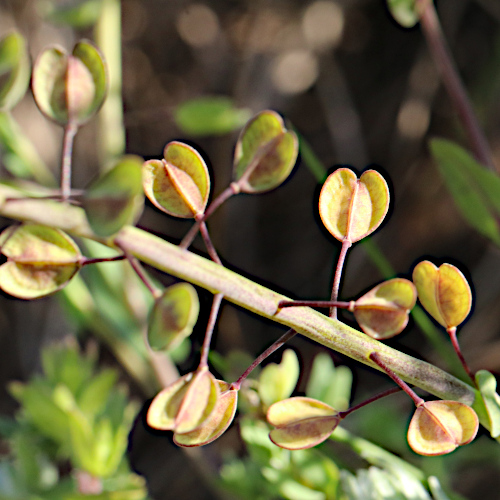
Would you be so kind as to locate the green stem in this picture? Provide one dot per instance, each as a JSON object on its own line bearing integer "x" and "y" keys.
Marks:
{"x": 108, "y": 39}
{"x": 242, "y": 291}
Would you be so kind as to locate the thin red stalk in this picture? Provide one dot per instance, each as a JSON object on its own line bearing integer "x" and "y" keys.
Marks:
{"x": 69, "y": 135}
{"x": 452, "y": 332}
{"x": 346, "y": 244}
{"x": 276, "y": 345}
{"x": 141, "y": 273}
{"x": 208, "y": 243}
{"x": 314, "y": 303}
{"x": 85, "y": 261}
{"x": 388, "y": 392}
{"x": 375, "y": 357}
{"x": 452, "y": 82}
{"x": 210, "y": 329}
{"x": 225, "y": 195}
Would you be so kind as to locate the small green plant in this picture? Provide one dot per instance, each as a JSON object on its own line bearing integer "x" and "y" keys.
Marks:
{"x": 76, "y": 415}
{"x": 73, "y": 414}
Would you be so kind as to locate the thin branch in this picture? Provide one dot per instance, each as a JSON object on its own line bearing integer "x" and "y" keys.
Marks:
{"x": 70, "y": 131}
{"x": 214, "y": 312}
{"x": 274, "y": 347}
{"x": 231, "y": 190}
{"x": 452, "y": 82}
{"x": 376, "y": 358}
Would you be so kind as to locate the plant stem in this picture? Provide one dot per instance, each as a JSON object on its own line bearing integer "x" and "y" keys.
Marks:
{"x": 69, "y": 136}
{"x": 208, "y": 243}
{"x": 346, "y": 244}
{"x": 85, "y": 261}
{"x": 388, "y": 392}
{"x": 273, "y": 347}
{"x": 244, "y": 292}
{"x": 452, "y": 82}
{"x": 452, "y": 332}
{"x": 109, "y": 40}
{"x": 214, "y": 312}
{"x": 232, "y": 189}
{"x": 316, "y": 303}
{"x": 141, "y": 273}
{"x": 375, "y": 357}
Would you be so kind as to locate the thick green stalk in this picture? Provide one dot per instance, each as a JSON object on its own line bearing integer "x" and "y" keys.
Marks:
{"x": 108, "y": 39}
{"x": 245, "y": 293}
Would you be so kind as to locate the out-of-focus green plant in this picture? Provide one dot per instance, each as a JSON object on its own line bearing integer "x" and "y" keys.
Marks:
{"x": 76, "y": 415}
{"x": 73, "y": 414}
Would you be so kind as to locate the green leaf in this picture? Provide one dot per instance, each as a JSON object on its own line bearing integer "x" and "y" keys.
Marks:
{"x": 383, "y": 311}
{"x": 77, "y": 14}
{"x": 351, "y": 209}
{"x": 70, "y": 87}
{"x": 179, "y": 184}
{"x": 265, "y": 153}
{"x": 476, "y": 192}
{"x": 444, "y": 292}
{"x": 173, "y": 317}
{"x": 277, "y": 382}
{"x": 438, "y": 427}
{"x": 328, "y": 383}
{"x": 15, "y": 70}
{"x": 210, "y": 116}
{"x": 116, "y": 198}
{"x": 42, "y": 411}
{"x": 404, "y": 12}
{"x": 301, "y": 422}
{"x": 40, "y": 260}
{"x": 487, "y": 386}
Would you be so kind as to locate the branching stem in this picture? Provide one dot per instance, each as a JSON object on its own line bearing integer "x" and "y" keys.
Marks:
{"x": 232, "y": 189}
{"x": 377, "y": 359}
{"x": 273, "y": 347}
{"x": 388, "y": 392}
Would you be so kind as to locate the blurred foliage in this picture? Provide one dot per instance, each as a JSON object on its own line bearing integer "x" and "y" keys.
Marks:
{"x": 71, "y": 430}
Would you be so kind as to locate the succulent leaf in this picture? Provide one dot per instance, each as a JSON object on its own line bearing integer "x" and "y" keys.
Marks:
{"x": 438, "y": 427}
{"x": 179, "y": 184}
{"x": 265, "y": 153}
{"x": 173, "y": 316}
{"x": 351, "y": 209}
{"x": 301, "y": 422}
{"x": 383, "y": 311}
{"x": 444, "y": 292}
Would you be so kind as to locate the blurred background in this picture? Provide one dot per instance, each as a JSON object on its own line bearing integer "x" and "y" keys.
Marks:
{"x": 361, "y": 91}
